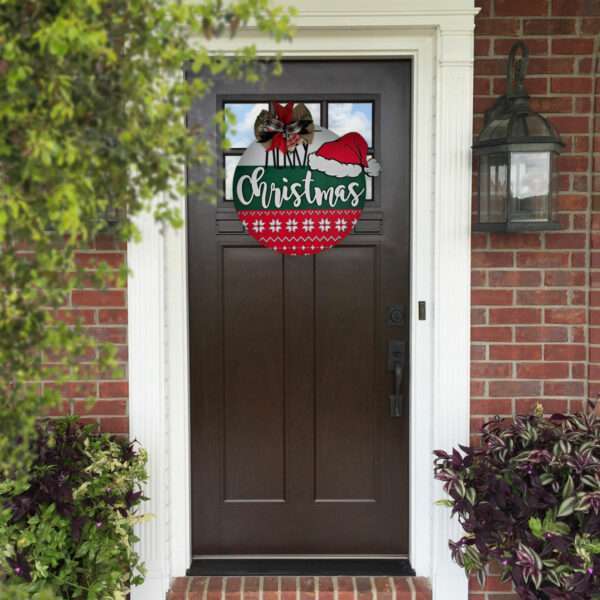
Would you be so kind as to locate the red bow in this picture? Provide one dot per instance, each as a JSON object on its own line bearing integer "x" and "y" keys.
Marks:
{"x": 285, "y": 114}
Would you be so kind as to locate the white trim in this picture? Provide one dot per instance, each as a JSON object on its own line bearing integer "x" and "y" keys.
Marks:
{"x": 452, "y": 284}
{"x": 439, "y": 40}
{"x": 148, "y": 402}
{"x": 178, "y": 398}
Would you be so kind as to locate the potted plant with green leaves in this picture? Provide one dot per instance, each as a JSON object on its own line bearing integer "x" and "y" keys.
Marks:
{"x": 528, "y": 498}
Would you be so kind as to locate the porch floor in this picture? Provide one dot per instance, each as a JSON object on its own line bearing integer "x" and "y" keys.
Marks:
{"x": 299, "y": 588}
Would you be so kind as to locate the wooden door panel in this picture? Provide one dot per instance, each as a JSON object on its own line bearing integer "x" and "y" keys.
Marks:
{"x": 253, "y": 375}
{"x": 294, "y": 450}
{"x": 345, "y": 388}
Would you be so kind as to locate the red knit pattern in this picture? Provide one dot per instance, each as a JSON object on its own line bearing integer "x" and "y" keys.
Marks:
{"x": 299, "y": 232}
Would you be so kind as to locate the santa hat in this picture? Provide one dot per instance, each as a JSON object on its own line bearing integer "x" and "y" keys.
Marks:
{"x": 344, "y": 157}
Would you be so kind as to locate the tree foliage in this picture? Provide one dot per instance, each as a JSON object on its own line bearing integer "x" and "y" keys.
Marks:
{"x": 92, "y": 124}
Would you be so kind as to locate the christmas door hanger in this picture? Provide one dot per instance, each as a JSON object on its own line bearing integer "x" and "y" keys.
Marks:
{"x": 300, "y": 189}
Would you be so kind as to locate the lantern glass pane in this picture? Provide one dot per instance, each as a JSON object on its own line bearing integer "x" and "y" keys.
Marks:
{"x": 493, "y": 170}
{"x": 530, "y": 186}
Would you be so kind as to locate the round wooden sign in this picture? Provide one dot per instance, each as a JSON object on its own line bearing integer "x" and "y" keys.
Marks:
{"x": 300, "y": 189}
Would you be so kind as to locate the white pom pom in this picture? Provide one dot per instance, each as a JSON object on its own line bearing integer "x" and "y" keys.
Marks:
{"x": 373, "y": 168}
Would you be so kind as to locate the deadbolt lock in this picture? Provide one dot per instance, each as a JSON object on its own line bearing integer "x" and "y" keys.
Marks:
{"x": 395, "y": 315}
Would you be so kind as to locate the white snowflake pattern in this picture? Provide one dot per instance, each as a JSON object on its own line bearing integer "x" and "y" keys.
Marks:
{"x": 341, "y": 225}
{"x": 324, "y": 224}
{"x": 275, "y": 226}
{"x": 259, "y": 226}
{"x": 308, "y": 225}
{"x": 292, "y": 225}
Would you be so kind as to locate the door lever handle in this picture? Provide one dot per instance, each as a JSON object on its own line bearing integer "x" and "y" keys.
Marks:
{"x": 396, "y": 351}
{"x": 396, "y": 399}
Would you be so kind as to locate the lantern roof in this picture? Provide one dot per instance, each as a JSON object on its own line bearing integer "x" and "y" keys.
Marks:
{"x": 511, "y": 124}
{"x": 522, "y": 127}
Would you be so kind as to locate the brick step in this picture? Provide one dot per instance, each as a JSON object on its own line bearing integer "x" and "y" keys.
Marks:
{"x": 300, "y": 588}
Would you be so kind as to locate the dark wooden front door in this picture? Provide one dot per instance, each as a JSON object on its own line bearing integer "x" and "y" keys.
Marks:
{"x": 294, "y": 449}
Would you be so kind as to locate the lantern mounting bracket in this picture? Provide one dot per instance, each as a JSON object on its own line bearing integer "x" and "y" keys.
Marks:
{"x": 516, "y": 70}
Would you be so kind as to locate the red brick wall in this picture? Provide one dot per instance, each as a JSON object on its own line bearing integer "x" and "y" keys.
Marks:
{"x": 536, "y": 314}
{"x": 104, "y": 313}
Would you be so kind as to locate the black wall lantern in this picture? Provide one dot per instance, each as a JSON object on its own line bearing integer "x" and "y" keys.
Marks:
{"x": 517, "y": 150}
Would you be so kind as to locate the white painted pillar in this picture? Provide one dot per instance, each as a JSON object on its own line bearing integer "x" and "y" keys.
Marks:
{"x": 452, "y": 257}
{"x": 147, "y": 402}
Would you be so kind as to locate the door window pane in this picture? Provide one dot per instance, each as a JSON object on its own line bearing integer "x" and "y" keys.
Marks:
{"x": 231, "y": 163}
{"x": 241, "y": 133}
{"x": 369, "y": 181}
{"x": 315, "y": 111}
{"x": 344, "y": 117}
{"x": 313, "y": 107}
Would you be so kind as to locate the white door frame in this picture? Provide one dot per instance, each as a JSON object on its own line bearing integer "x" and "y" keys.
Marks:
{"x": 438, "y": 36}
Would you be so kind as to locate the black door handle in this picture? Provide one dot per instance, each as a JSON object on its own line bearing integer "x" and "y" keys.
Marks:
{"x": 396, "y": 351}
{"x": 396, "y": 399}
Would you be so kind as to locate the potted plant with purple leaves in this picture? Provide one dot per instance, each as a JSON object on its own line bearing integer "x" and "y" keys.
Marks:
{"x": 67, "y": 529}
{"x": 529, "y": 499}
